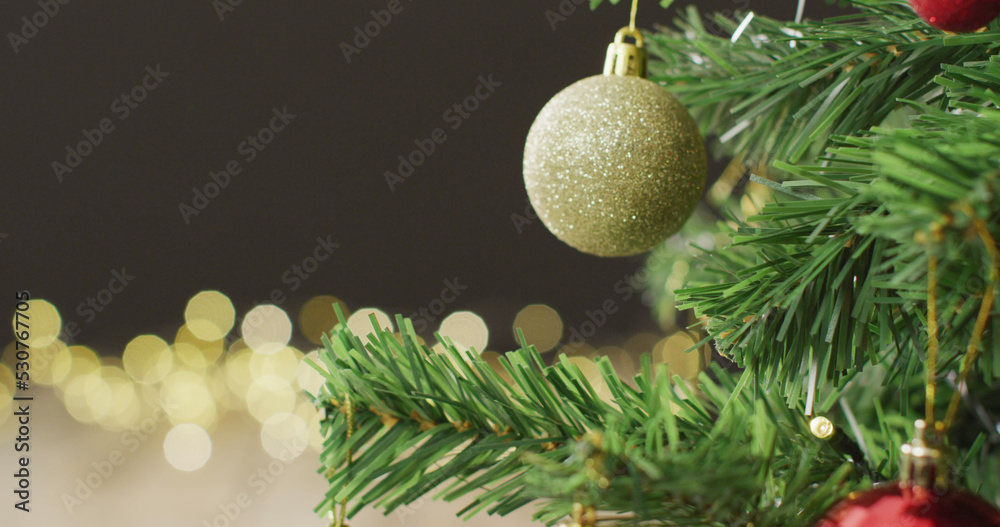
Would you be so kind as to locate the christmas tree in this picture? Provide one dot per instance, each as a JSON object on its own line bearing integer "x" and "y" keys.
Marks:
{"x": 853, "y": 299}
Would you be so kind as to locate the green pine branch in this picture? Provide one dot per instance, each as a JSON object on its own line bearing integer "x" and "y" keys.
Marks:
{"x": 448, "y": 425}
{"x": 837, "y": 282}
{"x": 782, "y": 90}
{"x": 878, "y": 132}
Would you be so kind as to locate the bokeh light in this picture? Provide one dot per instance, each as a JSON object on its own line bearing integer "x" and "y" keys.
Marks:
{"x": 270, "y": 395}
{"x": 237, "y": 368}
{"x": 75, "y": 396}
{"x": 189, "y": 356}
{"x": 215, "y": 379}
{"x": 317, "y": 317}
{"x": 186, "y": 399}
{"x": 360, "y": 322}
{"x": 211, "y": 350}
{"x": 6, "y": 377}
{"x": 283, "y": 364}
{"x": 45, "y": 369}
{"x": 578, "y": 349}
{"x": 98, "y": 395}
{"x": 43, "y": 325}
{"x": 147, "y": 359}
{"x": 285, "y": 436}
{"x": 493, "y": 359}
{"x": 466, "y": 330}
{"x": 310, "y": 380}
{"x": 622, "y": 360}
{"x": 267, "y": 329}
{"x": 187, "y": 447}
{"x": 82, "y": 361}
{"x": 315, "y": 422}
{"x": 672, "y": 351}
{"x": 542, "y": 326}
{"x": 678, "y": 275}
{"x": 593, "y": 375}
{"x": 642, "y": 343}
{"x": 6, "y": 401}
{"x": 210, "y": 315}
{"x": 124, "y": 408}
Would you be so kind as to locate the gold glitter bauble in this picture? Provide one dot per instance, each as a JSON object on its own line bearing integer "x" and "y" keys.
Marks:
{"x": 614, "y": 165}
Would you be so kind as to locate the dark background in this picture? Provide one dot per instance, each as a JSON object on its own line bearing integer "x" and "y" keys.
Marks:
{"x": 322, "y": 176}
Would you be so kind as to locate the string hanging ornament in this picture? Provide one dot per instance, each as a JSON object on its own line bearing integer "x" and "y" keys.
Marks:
{"x": 925, "y": 496}
{"x": 614, "y": 164}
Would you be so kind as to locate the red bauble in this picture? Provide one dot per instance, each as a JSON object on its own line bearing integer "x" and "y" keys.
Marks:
{"x": 892, "y": 505}
{"x": 957, "y": 15}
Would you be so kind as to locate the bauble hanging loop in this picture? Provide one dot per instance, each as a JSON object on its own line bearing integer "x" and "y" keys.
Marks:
{"x": 624, "y": 58}
{"x": 922, "y": 497}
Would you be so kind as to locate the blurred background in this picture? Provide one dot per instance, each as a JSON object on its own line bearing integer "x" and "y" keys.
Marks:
{"x": 188, "y": 187}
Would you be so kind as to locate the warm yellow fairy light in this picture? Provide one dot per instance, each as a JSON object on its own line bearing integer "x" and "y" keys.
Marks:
{"x": 82, "y": 361}
{"x": 317, "y": 317}
{"x": 210, "y": 315}
{"x": 186, "y": 398}
{"x": 284, "y": 436}
{"x": 672, "y": 351}
{"x": 360, "y": 322}
{"x": 187, "y": 447}
{"x": 189, "y": 356}
{"x": 113, "y": 400}
{"x": 270, "y": 395}
{"x": 493, "y": 359}
{"x": 542, "y": 326}
{"x": 821, "y": 427}
{"x": 309, "y": 379}
{"x": 466, "y": 330}
{"x": 43, "y": 323}
{"x": 593, "y": 375}
{"x": 623, "y": 362}
{"x": 6, "y": 377}
{"x": 211, "y": 350}
{"x": 6, "y": 400}
{"x": 316, "y": 438}
{"x": 283, "y": 363}
{"x": 578, "y": 350}
{"x": 98, "y": 394}
{"x": 147, "y": 359}
{"x": 238, "y": 378}
{"x": 267, "y": 329}
{"x": 215, "y": 380}
{"x": 78, "y": 394}
{"x": 45, "y": 369}
{"x": 305, "y": 409}
{"x": 642, "y": 343}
